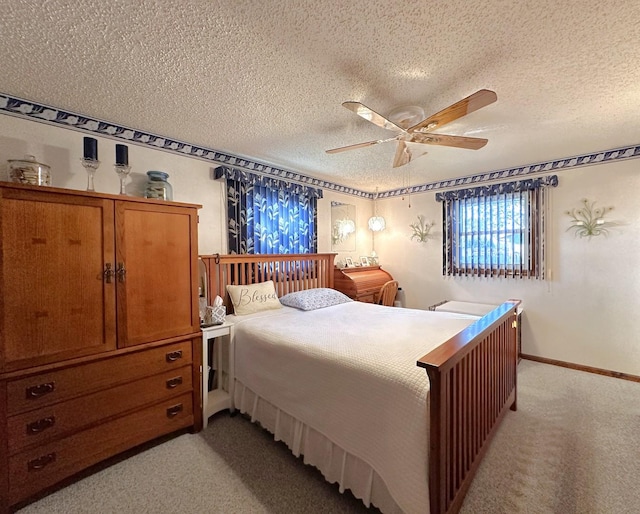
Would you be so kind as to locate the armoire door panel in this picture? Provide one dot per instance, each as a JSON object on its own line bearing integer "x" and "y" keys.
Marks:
{"x": 57, "y": 303}
{"x": 154, "y": 249}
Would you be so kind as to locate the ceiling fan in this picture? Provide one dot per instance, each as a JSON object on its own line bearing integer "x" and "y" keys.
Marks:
{"x": 421, "y": 132}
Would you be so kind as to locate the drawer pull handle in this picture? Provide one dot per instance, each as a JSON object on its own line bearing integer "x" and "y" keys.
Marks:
{"x": 39, "y": 426}
{"x": 172, "y": 383}
{"x": 41, "y": 462}
{"x": 174, "y": 356}
{"x": 40, "y": 390}
{"x": 174, "y": 411}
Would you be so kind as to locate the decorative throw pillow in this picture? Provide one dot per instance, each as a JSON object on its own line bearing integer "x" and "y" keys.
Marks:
{"x": 312, "y": 299}
{"x": 252, "y": 298}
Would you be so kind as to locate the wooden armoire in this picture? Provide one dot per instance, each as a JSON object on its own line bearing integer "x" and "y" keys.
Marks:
{"x": 99, "y": 330}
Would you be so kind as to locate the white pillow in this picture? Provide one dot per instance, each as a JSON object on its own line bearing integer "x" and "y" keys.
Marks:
{"x": 248, "y": 299}
{"x": 312, "y": 299}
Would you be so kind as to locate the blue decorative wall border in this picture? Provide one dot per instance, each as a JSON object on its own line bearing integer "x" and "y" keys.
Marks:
{"x": 627, "y": 152}
{"x": 53, "y": 116}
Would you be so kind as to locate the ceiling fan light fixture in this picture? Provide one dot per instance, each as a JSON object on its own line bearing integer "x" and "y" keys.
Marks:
{"x": 406, "y": 115}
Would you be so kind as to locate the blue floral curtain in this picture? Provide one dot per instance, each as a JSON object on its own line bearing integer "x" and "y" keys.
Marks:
{"x": 269, "y": 215}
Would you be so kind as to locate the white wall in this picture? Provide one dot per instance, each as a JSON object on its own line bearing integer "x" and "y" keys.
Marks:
{"x": 585, "y": 313}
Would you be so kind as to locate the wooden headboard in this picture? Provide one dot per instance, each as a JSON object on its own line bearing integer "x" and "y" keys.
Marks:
{"x": 289, "y": 272}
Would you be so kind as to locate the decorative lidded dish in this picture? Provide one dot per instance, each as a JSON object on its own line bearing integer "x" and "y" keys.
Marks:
{"x": 28, "y": 171}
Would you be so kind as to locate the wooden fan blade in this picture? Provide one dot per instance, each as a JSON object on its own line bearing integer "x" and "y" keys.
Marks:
{"x": 471, "y": 143}
{"x": 403, "y": 155}
{"x": 360, "y": 145}
{"x": 372, "y": 116}
{"x": 459, "y": 109}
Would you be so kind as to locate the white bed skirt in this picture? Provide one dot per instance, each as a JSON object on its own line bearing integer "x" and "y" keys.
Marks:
{"x": 337, "y": 465}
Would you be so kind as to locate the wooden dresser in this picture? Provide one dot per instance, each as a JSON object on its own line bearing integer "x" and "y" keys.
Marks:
{"x": 100, "y": 343}
{"x": 362, "y": 284}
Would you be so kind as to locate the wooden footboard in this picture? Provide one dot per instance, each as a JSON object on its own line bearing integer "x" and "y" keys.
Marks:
{"x": 289, "y": 272}
{"x": 473, "y": 383}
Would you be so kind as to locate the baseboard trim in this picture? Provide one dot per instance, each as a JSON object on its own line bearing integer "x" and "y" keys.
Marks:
{"x": 580, "y": 367}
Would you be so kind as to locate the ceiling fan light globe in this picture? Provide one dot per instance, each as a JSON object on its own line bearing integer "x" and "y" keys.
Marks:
{"x": 376, "y": 223}
{"x": 406, "y": 115}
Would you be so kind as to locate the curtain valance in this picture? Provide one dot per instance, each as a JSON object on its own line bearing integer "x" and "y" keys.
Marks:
{"x": 497, "y": 189}
{"x": 255, "y": 179}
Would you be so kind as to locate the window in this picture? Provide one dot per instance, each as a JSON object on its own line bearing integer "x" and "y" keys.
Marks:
{"x": 269, "y": 215}
{"x": 495, "y": 230}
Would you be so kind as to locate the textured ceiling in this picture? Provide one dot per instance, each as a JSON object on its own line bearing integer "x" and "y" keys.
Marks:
{"x": 266, "y": 79}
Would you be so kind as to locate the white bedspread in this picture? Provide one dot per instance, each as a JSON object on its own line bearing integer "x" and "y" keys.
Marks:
{"x": 349, "y": 371}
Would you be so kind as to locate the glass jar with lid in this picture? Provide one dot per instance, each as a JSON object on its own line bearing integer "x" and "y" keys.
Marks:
{"x": 157, "y": 186}
{"x": 28, "y": 171}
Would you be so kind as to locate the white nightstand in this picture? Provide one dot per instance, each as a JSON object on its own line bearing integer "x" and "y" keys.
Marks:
{"x": 217, "y": 399}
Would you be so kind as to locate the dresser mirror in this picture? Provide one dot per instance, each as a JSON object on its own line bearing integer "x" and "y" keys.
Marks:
{"x": 343, "y": 227}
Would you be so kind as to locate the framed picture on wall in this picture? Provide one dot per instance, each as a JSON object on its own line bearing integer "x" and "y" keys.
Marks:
{"x": 364, "y": 261}
{"x": 348, "y": 261}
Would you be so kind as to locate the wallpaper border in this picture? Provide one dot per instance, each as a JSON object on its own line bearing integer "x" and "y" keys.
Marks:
{"x": 46, "y": 114}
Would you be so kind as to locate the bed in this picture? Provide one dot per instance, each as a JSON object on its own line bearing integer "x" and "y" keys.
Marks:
{"x": 342, "y": 385}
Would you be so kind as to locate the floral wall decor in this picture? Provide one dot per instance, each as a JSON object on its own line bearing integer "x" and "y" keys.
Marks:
{"x": 588, "y": 220}
{"x": 421, "y": 229}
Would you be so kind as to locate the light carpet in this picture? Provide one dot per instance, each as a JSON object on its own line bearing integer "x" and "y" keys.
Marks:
{"x": 572, "y": 447}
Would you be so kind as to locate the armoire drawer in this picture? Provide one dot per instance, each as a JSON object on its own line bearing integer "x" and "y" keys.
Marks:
{"x": 33, "y": 470}
{"x": 46, "y": 388}
{"x": 64, "y": 418}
